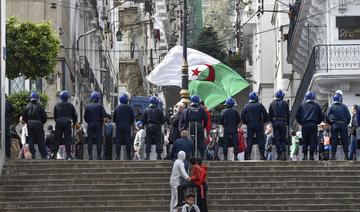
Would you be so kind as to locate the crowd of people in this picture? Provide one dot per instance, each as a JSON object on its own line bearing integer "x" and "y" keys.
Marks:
{"x": 189, "y": 129}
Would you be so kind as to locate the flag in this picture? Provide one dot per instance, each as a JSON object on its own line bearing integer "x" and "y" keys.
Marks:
{"x": 212, "y": 80}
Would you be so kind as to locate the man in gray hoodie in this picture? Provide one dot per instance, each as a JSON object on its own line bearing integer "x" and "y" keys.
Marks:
{"x": 178, "y": 171}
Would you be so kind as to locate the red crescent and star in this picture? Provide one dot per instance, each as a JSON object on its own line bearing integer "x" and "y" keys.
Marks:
{"x": 210, "y": 77}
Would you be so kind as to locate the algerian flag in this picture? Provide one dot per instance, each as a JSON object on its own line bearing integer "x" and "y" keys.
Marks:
{"x": 212, "y": 80}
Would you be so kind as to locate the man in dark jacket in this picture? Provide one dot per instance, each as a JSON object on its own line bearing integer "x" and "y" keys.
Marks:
{"x": 50, "y": 143}
{"x": 94, "y": 116}
{"x": 174, "y": 128}
{"x": 254, "y": 115}
{"x": 195, "y": 116}
{"x": 153, "y": 118}
{"x": 230, "y": 120}
{"x": 309, "y": 115}
{"x": 338, "y": 117}
{"x": 9, "y": 110}
{"x": 64, "y": 116}
{"x": 35, "y": 117}
{"x": 279, "y": 116}
{"x": 124, "y": 118}
{"x": 183, "y": 144}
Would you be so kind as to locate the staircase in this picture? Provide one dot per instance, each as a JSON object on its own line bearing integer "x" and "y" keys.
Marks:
{"x": 44, "y": 185}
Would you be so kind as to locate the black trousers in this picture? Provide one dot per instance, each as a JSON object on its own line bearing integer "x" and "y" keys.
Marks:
{"x": 36, "y": 134}
{"x": 153, "y": 136}
{"x": 63, "y": 135}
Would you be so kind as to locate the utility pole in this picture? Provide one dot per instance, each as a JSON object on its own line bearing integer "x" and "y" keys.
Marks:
{"x": 184, "y": 93}
{"x": 2, "y": 82}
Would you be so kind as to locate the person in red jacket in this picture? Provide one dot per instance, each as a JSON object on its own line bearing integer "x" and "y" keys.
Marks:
{"x": 198, "y": 180}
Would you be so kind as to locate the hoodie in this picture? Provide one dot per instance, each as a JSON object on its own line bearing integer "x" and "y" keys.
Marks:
{"x": 178, "y": 169}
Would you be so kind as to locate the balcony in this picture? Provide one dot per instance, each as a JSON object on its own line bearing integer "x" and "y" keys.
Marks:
{"x": 328, "y": 66}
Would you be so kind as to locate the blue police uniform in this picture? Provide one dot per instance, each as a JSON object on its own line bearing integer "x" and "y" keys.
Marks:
{"x": 64, "y": 114}
{"x": 124, "y": 118}
{"x": 254, "y": 115}
{"x": 309, "y": 115}
{"x": 153, "y": 118}
{"x": 230, "y": 120}
{"x": 279, "y": 117}
{"x": 339, "y": 117}
{"x": 94, "y": 116}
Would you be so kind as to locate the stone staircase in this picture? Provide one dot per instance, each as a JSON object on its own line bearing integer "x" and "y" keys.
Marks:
{"x": 59, "y": 185}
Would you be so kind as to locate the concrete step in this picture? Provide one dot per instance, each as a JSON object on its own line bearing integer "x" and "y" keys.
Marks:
{"x": 88, "y": 209}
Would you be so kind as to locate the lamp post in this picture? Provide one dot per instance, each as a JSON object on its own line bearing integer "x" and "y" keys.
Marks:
{"x": 184, "y": 93}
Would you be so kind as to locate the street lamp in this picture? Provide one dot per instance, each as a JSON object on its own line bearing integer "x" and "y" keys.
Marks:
{"x": 119, "y": 35}
{"x": 184, "y": 93}
{"x": 83, "y": 35}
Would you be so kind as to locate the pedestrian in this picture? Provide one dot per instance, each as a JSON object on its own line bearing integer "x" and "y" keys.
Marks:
{"x": 294, "y": 148}
{"x": 190, "y": 205}
{"x": 124, "y": 118}
{"x": 174, "y": 128}
{"x": 139, "y": 142}
{"x": 309, "y": 115}
{"x": 279, "y": 117}
{"x": 108, "y": 135}
{"x": 79, "y": 141}
{"x": 35, "y": 117}
{"x": 269, "y": 142}
{"x": 9, "y": 110}
{"x": 353, "y": 127}
{"x": 183, "y": 144}
{"x": 325, "y": 141}
{"x": 198, "y": 181}
{"x": 230, "y": 120}
{"x": 338, "y": 117}
{"x": 50, "y": 143}
{"x": 178, "y": 172}
{"x": 254, "y": 115}
{"x": 241, "y": 142}
{"x": 193, "y": 119}
{"x": 153, "y": 118}
{"x": 207, "y": 125}
{"x": 65, "y": 117}
{"x": 94, "y": 116}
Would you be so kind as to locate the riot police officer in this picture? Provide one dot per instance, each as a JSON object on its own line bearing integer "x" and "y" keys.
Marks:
{"x": 338, "y": 117}
{"x": 254, "y": 115}
{"x": 195, "y": 116}
{"x": 64, "y": 116}
{"x": 124, "y": 118}
{"x": 153, "y": 118}
{"x": 230, "y": 119}
{"x": 309, "y": 115}
{"x": 35, "y": 117}
{"x": 279, "y": 116}
{"x": 94, "y": 116}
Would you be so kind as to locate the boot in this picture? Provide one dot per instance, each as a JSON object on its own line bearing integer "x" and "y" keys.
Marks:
{"x": 225, "y": 156}
{"x": 90, "y": 157}
{"x": 284, "y": 156}
{"x": 346, "y": 155}
{"x": 311, "y": 156}
{"x": 158, "y": 156}
{"x": 128, "y": 154}
{"x": 247, "y": 156}
{"x": 280, "y": 156}
{"x": 118, "y": 156}
{"x": 147, "y": 156}
{"x": 305, "y": 156}
{"x": 333, "y": 156}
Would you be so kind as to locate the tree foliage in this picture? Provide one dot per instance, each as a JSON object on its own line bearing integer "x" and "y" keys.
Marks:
{"x": 208, "y": 42}
{"x": 32, "y": 49}
{"x": 20, "y": 99}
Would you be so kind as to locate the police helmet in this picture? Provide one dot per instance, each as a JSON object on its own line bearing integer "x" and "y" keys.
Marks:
{"x": 139, "y": 124}
{"x": 253, "y": 96}
{"x": 153, "y": 101}
{"x": 123, "y": 98}
{"x": 195, "y": 99}
{"x": 230, "y": 102}
{"x": 34, "y": 96}
{"x": 64, "y": 95}
{"x": 310, "y": 96}
{"x": 94, "y": 97}
{"x": 337, "y": 98}
{"x": 279, "y": 94}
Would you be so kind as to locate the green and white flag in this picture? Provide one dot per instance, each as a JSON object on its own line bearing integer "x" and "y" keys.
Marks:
{"x": 212, "y": 80}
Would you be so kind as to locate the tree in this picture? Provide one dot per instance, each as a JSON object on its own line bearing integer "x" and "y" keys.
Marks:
{"x": 32, "y": 49}
{"x": 20, "y": 99}
{"x": 209, "y": 43}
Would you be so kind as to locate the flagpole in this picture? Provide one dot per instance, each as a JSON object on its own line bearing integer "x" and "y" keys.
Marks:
{"x": 184, "y": 93}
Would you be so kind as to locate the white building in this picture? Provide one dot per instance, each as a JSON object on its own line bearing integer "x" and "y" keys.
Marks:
{"x": 324, "y": 46}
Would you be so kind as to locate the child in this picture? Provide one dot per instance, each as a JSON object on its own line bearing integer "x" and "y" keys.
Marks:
{"x": 139, "y": 142}
{"x": 294, "y": 148}
{"x": 324, "y": 138}
{"x": 108, "y": 131}
{"x": 190, "y": 204}
{"x": 79, "y": 141}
